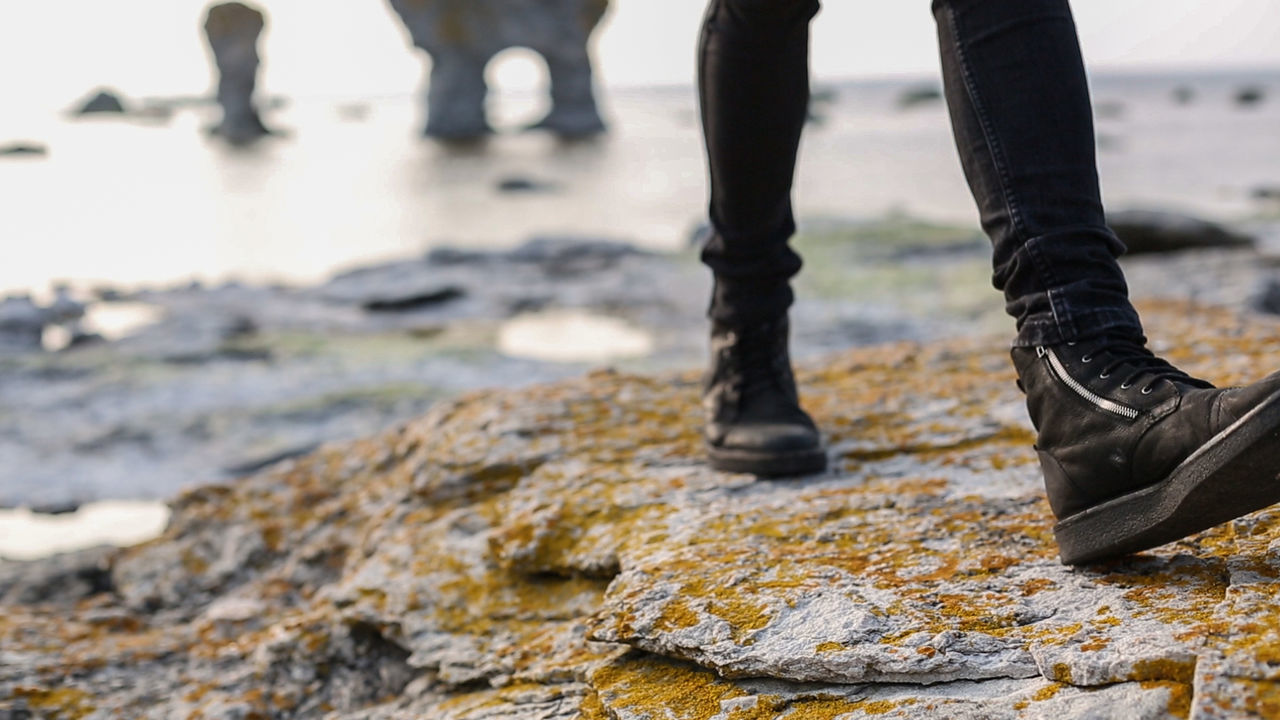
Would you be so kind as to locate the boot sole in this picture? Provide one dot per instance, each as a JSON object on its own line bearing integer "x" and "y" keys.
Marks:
{"x": 1234, "y": 474}
{"x": 768, "y": 464}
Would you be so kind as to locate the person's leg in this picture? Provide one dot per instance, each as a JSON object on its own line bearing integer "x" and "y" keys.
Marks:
{"x": 1135, "y": 453}
{"x": 1019, "y": 102}
{"x": 753, "y": 79}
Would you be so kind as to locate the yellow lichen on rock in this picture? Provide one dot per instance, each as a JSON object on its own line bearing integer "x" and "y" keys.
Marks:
{"x": 656, "y": 687}
{"x": 563, "y": 550}
{"x": 57, "y": 703}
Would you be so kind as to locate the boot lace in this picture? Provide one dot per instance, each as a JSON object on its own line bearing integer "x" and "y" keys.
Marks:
{"x": 1122, "y": 354}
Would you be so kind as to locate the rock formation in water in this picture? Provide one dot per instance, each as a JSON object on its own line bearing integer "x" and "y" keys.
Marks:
{"x": 563, "y": 552}
{"x": 232, "y": 30}
{"x": 462, "y": 36}
{"x": 23, "y": 149}
{"x": 1147, "y": 231}
{"x": 23, "y": 322}
{"x": 102, "y": 101}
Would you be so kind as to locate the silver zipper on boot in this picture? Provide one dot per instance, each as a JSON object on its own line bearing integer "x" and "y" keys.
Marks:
{"x": 1059, "y": 371}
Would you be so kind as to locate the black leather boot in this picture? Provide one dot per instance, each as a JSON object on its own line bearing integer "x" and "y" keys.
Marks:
{"x": 754, "y": 421}
{"x": 1137, "y": 453}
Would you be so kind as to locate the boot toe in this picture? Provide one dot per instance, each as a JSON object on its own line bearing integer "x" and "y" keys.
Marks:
{"x": 771, "y": 437}
{"x": 1235, "y": 403}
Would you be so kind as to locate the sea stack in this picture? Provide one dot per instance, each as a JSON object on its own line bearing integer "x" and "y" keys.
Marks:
{"x": 462, "y": 36}
{"x": 232, "y": 30}
{"x": 102, "y": 102}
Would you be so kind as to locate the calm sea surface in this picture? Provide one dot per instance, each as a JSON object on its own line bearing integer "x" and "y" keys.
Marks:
{"x": 127, "y": 202}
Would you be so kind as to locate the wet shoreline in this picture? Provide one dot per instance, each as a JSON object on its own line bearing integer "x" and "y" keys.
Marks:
{"x": 224, "y": 381}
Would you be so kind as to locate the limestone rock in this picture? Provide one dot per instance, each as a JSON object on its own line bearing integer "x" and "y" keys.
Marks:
{"x": 462, "y": 36}
{"x": 1144, "y": 231}
{"x": 917, "y": 96}
{"x": 524, "y": 184}
{"x": 1267, "y": 299}
{"x": 1250, "y": 95}
{"x": 1266, "y": 193}
{"x": 102, "y": 101}
{"x": 232, "y": 30}
{"x": 63, "y": 579}
{"x": 391, "y": 288}
{"x": 555, "y": 255}
{"x": 23, "y": 149}
{"x": 22, "y": 323}
{"x": 631, "y": 690}
{"x": 562, "y": 551}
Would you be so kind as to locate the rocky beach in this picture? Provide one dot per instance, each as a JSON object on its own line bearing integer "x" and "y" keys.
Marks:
{"x": 198, "y": 383}
{"x": 562, "y": 551}
{"x": 337, "y": 423}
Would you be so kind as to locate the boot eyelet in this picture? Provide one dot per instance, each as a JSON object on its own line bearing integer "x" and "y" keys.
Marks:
{"x": 1104, "y": 376}
{"x": 1086, "y": 359}
{"x": 1147, "y": 390}
{"x": 1126, "y": 386}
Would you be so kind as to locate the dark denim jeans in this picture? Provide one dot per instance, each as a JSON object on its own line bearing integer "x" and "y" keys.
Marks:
{"x": 1020, "y": 110}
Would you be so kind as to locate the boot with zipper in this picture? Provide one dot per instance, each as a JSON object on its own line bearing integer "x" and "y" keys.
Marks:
{"x": 1137, "y": 453}
{"x": 754, "y": 423}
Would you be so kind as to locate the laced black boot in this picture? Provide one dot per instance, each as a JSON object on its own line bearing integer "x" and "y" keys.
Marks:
{"x": 1136, "y": 453}
{"x": 754, "y": 421}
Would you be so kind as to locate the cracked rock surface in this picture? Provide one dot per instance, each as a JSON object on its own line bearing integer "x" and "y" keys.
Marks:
{"x": 561, "y": 552}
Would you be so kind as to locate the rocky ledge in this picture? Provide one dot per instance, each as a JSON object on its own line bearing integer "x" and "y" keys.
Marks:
{"x": 561, "y": 552}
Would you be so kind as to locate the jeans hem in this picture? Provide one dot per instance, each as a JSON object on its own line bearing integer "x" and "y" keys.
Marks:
{"x": 1049, "y": 330}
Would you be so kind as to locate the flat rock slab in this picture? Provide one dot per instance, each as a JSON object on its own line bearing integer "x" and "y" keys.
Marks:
{"x": 562, "y": 551}
{"x": 643, "y": 688}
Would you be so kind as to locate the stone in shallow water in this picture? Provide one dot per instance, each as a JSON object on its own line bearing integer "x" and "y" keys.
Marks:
{"x": 463, "y": 37}
{"x": 29, "y": 149}
{"x": 232, "y": 30}
{"x": 1144, "y": 231}
{"x": 102, "y": 101}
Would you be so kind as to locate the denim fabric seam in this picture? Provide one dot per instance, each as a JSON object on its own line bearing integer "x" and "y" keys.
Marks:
{"x": 1058, "y": 304}
{"x": 1043, "y": 331}
{"x": 988, "y": 132}
{"x": 1063, "y": 314}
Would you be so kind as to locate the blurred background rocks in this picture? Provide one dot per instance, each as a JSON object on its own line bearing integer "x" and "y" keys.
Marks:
{"x": 463, "y": 36}
{"x": 232, "y": 30}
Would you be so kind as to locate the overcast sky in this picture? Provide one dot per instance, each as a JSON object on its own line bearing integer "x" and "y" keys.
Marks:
{"x": 876, "y": 37}
{"x": 51, "y": 52}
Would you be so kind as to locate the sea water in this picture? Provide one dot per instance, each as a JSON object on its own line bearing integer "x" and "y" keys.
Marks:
{"x": 125, "y": 202}
{"x": 128, "y": 202}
